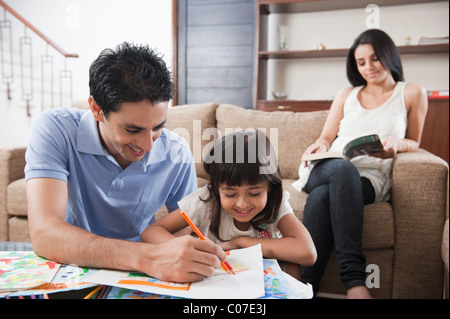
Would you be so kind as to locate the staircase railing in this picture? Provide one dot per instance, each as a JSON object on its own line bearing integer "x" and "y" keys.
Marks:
{"x": 26, "y": 63}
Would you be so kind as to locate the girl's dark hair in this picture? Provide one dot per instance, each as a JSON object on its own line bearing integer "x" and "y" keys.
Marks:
{"x": 385, "y": 50}
{"x": 243, "y": 158}
{"x": 131, "y": 73}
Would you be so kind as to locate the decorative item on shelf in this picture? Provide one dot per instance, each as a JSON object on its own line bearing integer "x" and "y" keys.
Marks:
{"x": 280, "y": 95}
{"x": 282, "y": 37}
{"x": 408, "y": 40}
{"x": 321, "y": 47}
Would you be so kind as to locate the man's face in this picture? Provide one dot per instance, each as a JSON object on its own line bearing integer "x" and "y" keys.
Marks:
{"x": 131, "y": 131}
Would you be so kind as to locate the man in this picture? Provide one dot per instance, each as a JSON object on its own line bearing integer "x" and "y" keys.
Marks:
{"x": 96, "y": 178}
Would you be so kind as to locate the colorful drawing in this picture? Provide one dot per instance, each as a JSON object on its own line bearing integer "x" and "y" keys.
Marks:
{"x": 277, "y": 285}
{"x": 144, "y": 280}
{"x": 274, "y": 282}
{"x": 67, "y": 278}
{"x": 237, "y": 268}
{"x": 24, "y": 269}
{"x": 248, "y": 281}
{"x": 280, "y": 285}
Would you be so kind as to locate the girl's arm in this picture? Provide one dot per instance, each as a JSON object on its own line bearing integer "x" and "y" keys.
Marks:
{"x": 164, "y": 229}
{"x": 296, "y": 246}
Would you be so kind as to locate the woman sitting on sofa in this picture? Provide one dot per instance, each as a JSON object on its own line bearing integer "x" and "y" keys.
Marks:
{"x": 379, "y": 102}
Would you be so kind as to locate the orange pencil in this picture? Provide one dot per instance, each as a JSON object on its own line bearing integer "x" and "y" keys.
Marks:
{"x": 226, "y": 266}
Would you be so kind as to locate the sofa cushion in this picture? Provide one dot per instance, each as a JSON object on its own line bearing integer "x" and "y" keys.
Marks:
{"x": 280, "y": 127}
{"x": 297, "y": 199}
{"x": 378, "y": 228}
{"x": 18, "y": 229}
{"x": 16, "y": 198}
{"x": 196, "y": 123}
{"x": 444, "y": 247}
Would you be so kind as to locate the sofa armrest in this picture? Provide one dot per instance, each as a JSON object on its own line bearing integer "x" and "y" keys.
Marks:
{"x": 419, "y": 200}
{"x": 12, "y": 163}
{"x": 444, "y": 251}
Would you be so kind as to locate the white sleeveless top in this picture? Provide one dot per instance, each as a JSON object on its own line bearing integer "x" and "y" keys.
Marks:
{"x": 389, "y": 120}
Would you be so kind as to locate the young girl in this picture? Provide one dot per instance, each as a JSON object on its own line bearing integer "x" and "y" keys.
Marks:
{"x": 243, "y": 205}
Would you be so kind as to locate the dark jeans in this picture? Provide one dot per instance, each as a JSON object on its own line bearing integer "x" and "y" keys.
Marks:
{"x": 334, "y": 213}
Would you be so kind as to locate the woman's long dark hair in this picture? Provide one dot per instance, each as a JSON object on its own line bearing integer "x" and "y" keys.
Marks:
{"x": 243, "y": 158}
{"x": 385, "y": 50}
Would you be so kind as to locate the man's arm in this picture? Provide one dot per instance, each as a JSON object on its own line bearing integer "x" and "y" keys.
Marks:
{"x": 181, "y": 259}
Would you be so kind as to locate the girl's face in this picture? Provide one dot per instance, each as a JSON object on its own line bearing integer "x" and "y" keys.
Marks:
{"x": 369, "y": 66}
{"x": 244, "y": 202}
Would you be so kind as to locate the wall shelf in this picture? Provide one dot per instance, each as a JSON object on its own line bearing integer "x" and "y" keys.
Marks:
{"x": 335, "y": 53}
{"x": 297, "y": 6}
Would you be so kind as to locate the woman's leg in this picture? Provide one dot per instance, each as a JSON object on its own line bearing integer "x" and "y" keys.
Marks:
{"x": 334, "y": 213}
{"x": 316, "y": 218}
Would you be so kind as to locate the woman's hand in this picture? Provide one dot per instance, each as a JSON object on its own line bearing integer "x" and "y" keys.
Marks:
{"x": 390, "y": 148}
{"x": 317, "y": 147}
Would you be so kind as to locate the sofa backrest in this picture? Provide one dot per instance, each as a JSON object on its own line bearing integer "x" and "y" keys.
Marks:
{"x": 290, "y": 132}
{"x": 195, "y": 122}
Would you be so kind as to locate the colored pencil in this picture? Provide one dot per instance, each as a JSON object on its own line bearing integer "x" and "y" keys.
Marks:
{"x": 225, "y": 265}
{"x": 93, "y": 292}
{"x": 102, "y": 291}
{"x": 106, "y": 292}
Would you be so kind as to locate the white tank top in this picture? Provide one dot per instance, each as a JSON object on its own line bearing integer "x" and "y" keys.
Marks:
{"x": 389, "y": 120}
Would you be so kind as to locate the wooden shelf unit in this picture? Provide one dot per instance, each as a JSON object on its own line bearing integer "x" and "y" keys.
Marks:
{"x": 266, "y": 7}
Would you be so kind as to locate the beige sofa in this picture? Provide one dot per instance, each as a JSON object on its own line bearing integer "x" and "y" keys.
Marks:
{"x": 402, "y": 240}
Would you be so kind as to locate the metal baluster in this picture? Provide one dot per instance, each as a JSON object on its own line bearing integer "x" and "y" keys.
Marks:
{"x": 26, "y": 63}
{"x": 65, "y": 84}
{"x": 6, "y": 55}
{"x": 47, "y": 82}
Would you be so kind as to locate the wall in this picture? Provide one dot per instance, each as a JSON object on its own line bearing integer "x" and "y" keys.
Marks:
{"x": 322, "y": 78}
{"x": 84, "y": 27}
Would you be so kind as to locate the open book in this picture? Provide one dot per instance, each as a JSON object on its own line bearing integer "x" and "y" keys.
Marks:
{"x": 364, "y": 145}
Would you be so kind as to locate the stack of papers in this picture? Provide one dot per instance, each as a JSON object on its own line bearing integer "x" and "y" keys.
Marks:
{"x": 23, "y": 273}
{"x": 20, "y": 270}
{"x": 255, "y": 278}
{"x": 248, "y": 282}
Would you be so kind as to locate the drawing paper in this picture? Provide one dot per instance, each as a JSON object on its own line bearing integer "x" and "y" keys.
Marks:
{"x": 24, "y": 269}
{"x": 280, "y": 285}
{"x": 247, "y": 283}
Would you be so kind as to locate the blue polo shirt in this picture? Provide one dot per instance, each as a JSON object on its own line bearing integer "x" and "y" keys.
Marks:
{"x": 104, "y": 198}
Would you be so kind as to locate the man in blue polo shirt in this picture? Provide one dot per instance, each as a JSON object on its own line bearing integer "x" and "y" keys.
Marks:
{"x": 96, "y": 178}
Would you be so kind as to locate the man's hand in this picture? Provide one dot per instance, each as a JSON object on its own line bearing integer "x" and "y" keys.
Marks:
{"x": 183, "y": 259}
